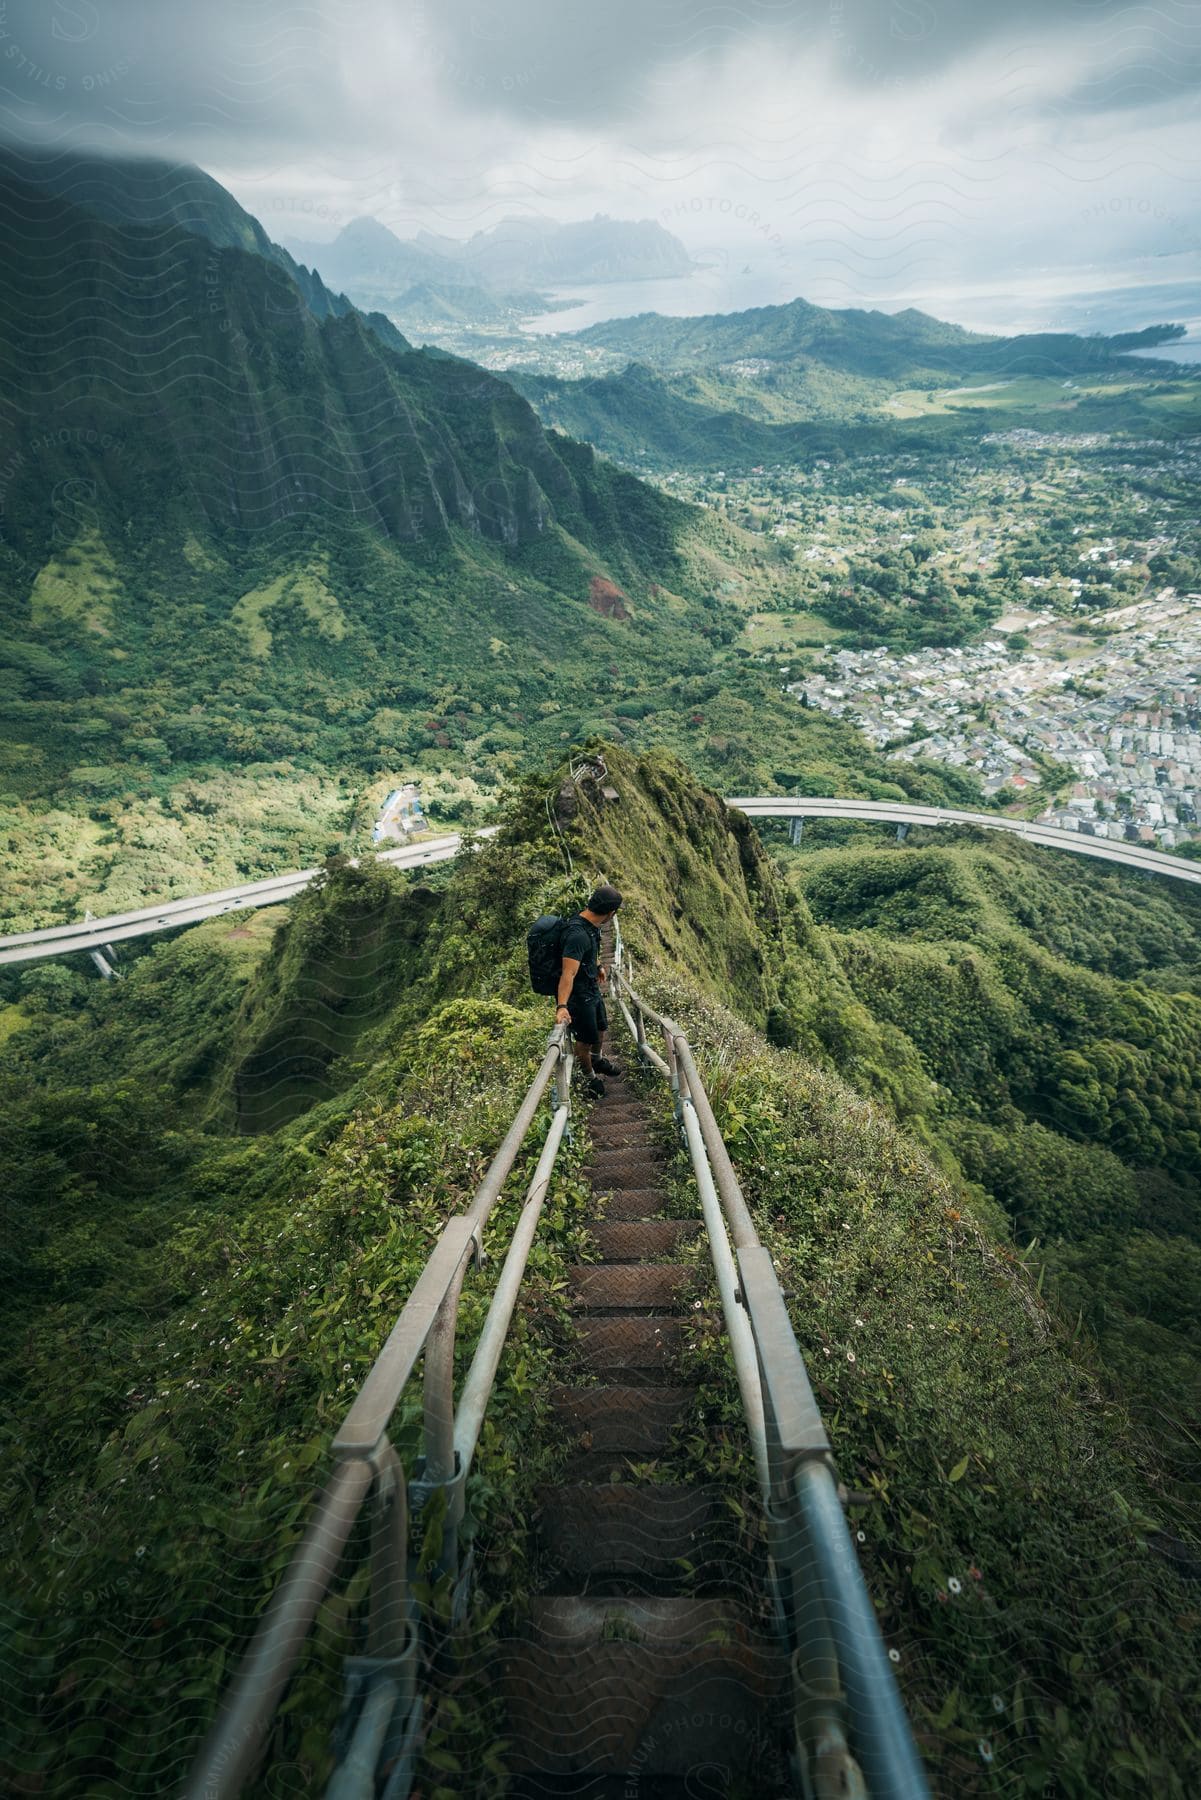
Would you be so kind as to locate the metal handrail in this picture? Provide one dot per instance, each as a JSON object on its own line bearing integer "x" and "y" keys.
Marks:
{"x": 368, "y": 1469}
{"x": 852, "y": 1736}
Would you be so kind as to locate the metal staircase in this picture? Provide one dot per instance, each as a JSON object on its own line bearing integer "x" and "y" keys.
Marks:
{"x": 649, "y": 1654}
{"x": 663, "y": 1654}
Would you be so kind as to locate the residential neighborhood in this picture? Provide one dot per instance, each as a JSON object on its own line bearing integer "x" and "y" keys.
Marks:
{"x": 1124, "y": 717}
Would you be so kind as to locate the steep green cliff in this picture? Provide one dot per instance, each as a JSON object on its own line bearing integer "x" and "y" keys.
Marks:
{"x": 194, "y": 1306}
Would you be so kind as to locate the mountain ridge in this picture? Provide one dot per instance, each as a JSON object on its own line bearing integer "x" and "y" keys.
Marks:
{"x": 515, "y": 253}
{"x": 153, "y": 193}
{"x": 855, "y": 339}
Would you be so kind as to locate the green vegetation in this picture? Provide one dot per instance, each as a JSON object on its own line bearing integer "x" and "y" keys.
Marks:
{"x": 1056, "y": 1016}
{"x": 259, "y": 561}
{"x": 223, "y": 1290}
{"x": 865, "y": 343}
{"x": 790, "y": 384}
{"x": 236, "y": 596}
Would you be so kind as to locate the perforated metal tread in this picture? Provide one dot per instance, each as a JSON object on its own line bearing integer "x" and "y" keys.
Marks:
{"x": 628, "y": 1286}
{"x": 639, "y": 1667}
{"x": 630, "y": 1203}
{"x": 629, "y": 1241}
{"x": 592, "y": 1529}
{"x": 614, "y": 1685}
{"x": 637, "y": 1342}
{"x": 636, "y": 1421}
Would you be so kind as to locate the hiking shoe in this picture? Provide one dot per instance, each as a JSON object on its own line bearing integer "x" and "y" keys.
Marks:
{"x": 603, "y": 1066}
{"x": 595, "y": 1086}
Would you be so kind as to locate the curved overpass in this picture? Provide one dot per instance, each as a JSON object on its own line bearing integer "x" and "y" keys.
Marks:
{"x": 66, "y": 940}
{"x": 891, "y": 812}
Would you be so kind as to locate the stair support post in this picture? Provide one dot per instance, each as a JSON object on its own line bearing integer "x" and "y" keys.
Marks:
{"x": 440, "y": 1468}
{"x": 381, "y": 1686}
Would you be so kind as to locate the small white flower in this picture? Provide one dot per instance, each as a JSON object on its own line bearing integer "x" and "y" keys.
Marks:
{"x": 850, "y": 1356}
{"x": 954, "y": 1584}
{"x": 894, "y": 1656}
{"x": 862, "y": 1536}
{"x": 859, "y": 1321}
{"x": 998, "y": 1705}
{"x": 141, "y": 1550}
{"x": 985, "y": 1749}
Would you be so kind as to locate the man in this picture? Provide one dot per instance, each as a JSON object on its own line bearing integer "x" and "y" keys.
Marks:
{"x": 580, "y": 998}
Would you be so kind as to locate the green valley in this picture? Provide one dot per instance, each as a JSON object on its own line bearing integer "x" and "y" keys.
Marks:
{"x": 263, "y": 563}
{"x": 227, "y": 1168}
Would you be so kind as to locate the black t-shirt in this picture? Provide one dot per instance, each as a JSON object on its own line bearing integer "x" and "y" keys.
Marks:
{"x": 583, "y": 941}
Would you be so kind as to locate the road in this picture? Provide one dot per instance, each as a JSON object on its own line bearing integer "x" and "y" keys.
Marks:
{"x": 890, "y": 812}
{"x": 67, "y": 940}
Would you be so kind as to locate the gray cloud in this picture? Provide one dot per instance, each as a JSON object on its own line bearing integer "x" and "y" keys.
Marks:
{"x": 253, "y": 66}
{"x": 878, "y": 145}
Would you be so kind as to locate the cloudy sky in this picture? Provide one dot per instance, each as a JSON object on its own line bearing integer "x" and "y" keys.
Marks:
{"x": 850, "y": 149}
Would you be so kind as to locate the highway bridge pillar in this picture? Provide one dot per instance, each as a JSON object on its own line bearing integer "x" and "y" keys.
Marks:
{"x": 902, "y": 833}
{"x": 796, "y": 829}
{"x": 106, "y": 968}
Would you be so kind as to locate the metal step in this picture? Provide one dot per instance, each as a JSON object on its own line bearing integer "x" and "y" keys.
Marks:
{"x": 623, "y": 1529}
{"x": 628, "y": 1241}
{"x": 614, "y": 1168}
{"x": 629, "y": 1286}
{"x": 619, "y": 1134}
{"x": 617, "y": 1110}
{"x": 627, "y": 1421}
{"x": 633, "y": 1203}
{"x": 641, "y": 1342}
{"x": 633, "y": 1686}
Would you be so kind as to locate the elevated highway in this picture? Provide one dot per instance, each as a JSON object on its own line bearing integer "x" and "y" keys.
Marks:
{"x": 892, "y": 812}
{"x": 94, "y": 934}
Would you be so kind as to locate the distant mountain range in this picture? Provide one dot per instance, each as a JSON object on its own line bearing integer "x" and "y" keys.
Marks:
{"x": 516, "y": 254}
{"x": 888, "y": 345}
{"x": 795, "y": 382}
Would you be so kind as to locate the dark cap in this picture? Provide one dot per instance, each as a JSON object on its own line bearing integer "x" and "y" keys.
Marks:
{"x": 604, "y": 899}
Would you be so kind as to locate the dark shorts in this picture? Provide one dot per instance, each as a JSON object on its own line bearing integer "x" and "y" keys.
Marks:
{"x": 588, "y": 1018}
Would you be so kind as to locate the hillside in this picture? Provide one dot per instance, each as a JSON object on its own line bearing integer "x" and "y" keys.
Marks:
{"x": 153, "y": 194}
{"x": 643, "y": 418}
{"x": 892, "y": 346}
{"x": 255, "y": 561}
{"x": 224, "y": 1293}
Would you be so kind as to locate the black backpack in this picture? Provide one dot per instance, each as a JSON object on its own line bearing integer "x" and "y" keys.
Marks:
{"x": 544, "y": 941}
